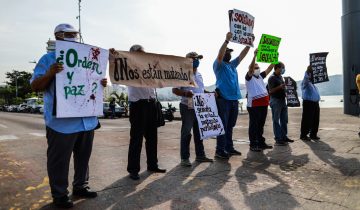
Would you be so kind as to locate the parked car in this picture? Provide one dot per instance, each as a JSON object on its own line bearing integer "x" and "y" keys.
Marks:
{"x": 12, "y": 108}
{"x": 36, "y": 109}
{"x": 23, "y": 108}
{"x": 119, "y": 110}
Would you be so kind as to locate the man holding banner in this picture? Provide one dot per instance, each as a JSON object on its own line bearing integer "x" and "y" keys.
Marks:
{"x": 142, "y": 119}
{"x": 64, "y": 135}
{"x": 188, "y": 116}
{"x": 311, "y": 109}
{"x": 228, "y": 90}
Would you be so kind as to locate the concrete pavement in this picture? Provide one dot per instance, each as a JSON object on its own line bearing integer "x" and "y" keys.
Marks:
{"x": 304, "y": 175}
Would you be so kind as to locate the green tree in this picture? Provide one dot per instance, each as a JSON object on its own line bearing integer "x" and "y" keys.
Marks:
{"x": 19, "y": 80}
{"x": 7, "y": 93}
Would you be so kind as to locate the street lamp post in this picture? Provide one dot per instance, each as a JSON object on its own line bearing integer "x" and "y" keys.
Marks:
{"x": 78, "y": 17}
{"x": 16, "y": 74}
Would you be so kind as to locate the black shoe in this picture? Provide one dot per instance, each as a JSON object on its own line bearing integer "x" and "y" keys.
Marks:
{"x": 280, "y": 143}
{"x": 134, "y": 176}
{"x": 314, "y": 137}
{"x": 265, "y": 146}
{"x": 84, "y": 192}
{"x": 255, "y": 149}
{"x": 234, "y": 152}
{"x": 157, "y": 170}
{"x": 63, "y": 202}
{"x": 222, "y": 155}
{"x": 289, "y": 140}
{"x": 305, "y": 138}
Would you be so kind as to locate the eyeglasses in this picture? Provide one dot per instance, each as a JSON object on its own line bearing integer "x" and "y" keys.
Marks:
{"x": 70, "y": 34}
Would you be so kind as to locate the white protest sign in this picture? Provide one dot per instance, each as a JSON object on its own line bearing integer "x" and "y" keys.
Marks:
{"x": 241, "y": 26}
{"x": 79, "y": 92}
{"x": 207, "y": 116}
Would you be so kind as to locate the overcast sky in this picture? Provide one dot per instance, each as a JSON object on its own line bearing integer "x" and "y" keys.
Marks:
{"x": 175, "y": 28}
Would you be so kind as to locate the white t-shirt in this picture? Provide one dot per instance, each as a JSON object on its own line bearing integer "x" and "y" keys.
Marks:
{"x": 137, "y": 93}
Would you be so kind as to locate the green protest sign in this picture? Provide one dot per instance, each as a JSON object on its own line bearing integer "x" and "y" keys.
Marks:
{"x": 268, "y": 49}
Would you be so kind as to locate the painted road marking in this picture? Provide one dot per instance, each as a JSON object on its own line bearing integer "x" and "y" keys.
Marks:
{"x": 240, "y": 126}
{"x": 109, "y": 128}
{"x": 8, "y": 137}
{"x": 328, "y": 129}
{"x": 38, "y": 134}
{"x": 241, "y": 141}
{"x": 3, "y": 126}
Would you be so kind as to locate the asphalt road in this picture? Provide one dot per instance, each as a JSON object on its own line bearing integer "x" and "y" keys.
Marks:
{"x": 303, "y": 175}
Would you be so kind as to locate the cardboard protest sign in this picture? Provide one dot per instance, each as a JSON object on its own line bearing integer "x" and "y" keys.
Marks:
{"x": 268, "y": 49}
{"x": 78, "y": 89}
{"x": 139, "y": 69}
{"x": 207, "y": 116}
{"x": 241, "y": 26}
{"x": 291, "y": 92}
{"x": 318, "y": 65}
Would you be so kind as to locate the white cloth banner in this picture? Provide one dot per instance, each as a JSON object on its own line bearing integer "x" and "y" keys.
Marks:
{"x": 79, "y": 92}
{"x": 241, "y": 26}
{"x": 207, "y": 116}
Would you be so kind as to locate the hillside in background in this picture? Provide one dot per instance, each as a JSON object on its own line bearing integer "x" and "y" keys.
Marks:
{"x": 333, "y": 87}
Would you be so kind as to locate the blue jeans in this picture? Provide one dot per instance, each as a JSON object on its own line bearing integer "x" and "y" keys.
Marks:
{"x": 280, "y": 118}
{"x": 228, "y": 112}
{"x": 189, "y": 122}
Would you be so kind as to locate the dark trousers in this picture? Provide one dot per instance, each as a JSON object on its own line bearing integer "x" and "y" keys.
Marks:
{"x": 310, "y": 118}
{"x": 228, "y": 112}
{"x": 189, "y": 122}
{"x": 60, "y": 147}
{"x": 142, "y": 120}
{"x": 257, "y": 118}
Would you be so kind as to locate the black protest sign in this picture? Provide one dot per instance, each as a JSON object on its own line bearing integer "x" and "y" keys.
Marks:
{"x": 318, "y": 65}
{"x": 291, "y": 92}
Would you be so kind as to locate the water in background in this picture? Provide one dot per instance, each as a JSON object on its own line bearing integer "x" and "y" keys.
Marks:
{"x": 335, "y": 101}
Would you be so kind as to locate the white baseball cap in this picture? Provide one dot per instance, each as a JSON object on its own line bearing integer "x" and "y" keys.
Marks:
{"x": 64, "y": 27}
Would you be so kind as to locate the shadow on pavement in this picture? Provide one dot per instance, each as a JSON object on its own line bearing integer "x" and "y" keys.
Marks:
{"x": 347, "y": 166}
{"x": 178, "y": 189}
{"x": 263, "y": 189}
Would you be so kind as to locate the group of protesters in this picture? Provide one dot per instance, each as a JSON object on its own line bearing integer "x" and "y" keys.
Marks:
{"x": 75, "y": 135}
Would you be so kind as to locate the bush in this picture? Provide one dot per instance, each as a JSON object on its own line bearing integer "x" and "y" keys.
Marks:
{"x": 17, "y": 101}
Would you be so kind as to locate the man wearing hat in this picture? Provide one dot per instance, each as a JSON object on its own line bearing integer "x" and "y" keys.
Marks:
{"x": 228, "y": 89}
{"x": 188, "y": 116}
{"x": 64, "y": 135}
{"x": 142, "y": 103}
